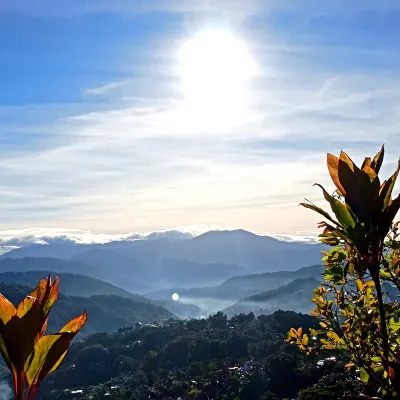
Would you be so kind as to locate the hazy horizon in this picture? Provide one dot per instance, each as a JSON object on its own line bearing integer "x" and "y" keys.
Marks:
{"x": 12, "y": 239}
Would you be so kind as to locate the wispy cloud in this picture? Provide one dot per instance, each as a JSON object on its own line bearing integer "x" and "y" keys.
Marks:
{"x": 105, "y": 89}
{"x": 76, "y": 7}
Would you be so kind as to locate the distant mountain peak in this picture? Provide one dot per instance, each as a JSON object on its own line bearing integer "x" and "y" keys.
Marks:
{"x": 226, "y": 233}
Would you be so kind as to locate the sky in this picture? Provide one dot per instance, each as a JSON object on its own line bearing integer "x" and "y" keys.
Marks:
{"x": 138, "y": 116}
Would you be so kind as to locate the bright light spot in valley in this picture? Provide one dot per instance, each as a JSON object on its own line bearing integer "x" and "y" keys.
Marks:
{"x": 175, "y": 296}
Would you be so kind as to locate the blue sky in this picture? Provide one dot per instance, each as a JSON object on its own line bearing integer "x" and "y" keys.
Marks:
{"x": 95, "y": 134}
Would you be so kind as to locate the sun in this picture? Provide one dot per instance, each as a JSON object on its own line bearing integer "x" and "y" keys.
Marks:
{"x": 215, "y": 68}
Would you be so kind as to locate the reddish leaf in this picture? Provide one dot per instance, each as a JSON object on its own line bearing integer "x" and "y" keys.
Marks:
{"x": 386, "y": 189}
{"x": 378, "y": 160}
{"x": 7, "y": 309}
{"x": 333, "y": 167}
{"x": 366, "y": 163}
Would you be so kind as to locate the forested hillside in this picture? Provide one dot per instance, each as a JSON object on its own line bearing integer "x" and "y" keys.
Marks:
{"x": 217, "y": 358}
{"x": 70, "y": 284}
{"x": 107, "y": 312}
{"x": 295, "y": 296}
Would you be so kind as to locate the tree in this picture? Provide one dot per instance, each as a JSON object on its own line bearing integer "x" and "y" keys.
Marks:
{"x": 27, "y": 352}
{"x": 358, "y": 318}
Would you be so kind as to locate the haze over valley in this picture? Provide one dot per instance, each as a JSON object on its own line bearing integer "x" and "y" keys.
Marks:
{"x": 208, "y": 272}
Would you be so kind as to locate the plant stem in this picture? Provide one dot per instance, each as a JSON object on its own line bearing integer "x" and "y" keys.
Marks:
{"x": 19, "y": 386}
{"x": 385, "y": 337}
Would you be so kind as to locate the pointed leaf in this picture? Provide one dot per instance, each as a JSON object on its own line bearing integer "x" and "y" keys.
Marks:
{"x": 340, "y": 210}
{"x": 378, "y": 160}
{"x": 50, "y": 350}
{"x": 48, "y": 353}
{"x": 366, "y": 163}
{"x": 358, "y": 187}
{"x": 21, "y": 334}
{"x": 299, "y": 331}
{"x": 319, "y": 211}
{"x": 370, "y": 172}
{"x": 25, "y": 305}
{"x": 348, "y": 161}
{"x": 44, "y": 327}
{"x": 388, "y": 216}
{"x": 7, "y": 309}
{"x": 40, "y": 290}
{"x": 4, "y": 353}
{"x": 387, "y": 187}
{"x": 333, "y": 167}
{"x": 75, "y": 324}
{"x": 52, "y": 296}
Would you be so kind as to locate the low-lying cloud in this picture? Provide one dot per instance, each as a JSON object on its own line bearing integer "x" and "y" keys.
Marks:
{"x": 13, "y": 239}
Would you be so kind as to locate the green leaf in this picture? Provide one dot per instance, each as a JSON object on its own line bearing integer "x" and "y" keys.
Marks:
{"x": 330, "y": 241}
{"x": 340, "y": 210}
{"x": 4, "y": 353}
{"x": 364, "y": 375}
{"x": 319, "y": 211}
{"x": 387, "y": 187}
{"x": 379, "y": 369}
{"x": 50, "y": 350}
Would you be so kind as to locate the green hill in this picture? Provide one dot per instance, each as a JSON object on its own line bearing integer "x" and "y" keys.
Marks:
{"x": 70, "y": 284}
{"x": 295, "y": 296}
{"x": 106, "y": 313}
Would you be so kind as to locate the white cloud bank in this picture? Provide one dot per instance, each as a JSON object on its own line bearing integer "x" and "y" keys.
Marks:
{"x": 13, "y": 239}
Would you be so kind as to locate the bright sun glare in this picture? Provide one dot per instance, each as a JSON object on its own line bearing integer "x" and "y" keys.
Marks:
{"x": 215, "y": 69}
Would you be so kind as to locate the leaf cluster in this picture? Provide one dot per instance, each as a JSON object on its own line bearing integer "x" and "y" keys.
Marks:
{"x": 356, "y": 303}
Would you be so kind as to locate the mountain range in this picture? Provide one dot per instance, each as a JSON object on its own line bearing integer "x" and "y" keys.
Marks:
{"x": 215, "y": 271}
{"x": 147, "y": 265}
{"x": 294, "y": 296}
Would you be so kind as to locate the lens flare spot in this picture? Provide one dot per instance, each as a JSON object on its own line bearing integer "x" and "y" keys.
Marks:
{"x": 175, "y": 296}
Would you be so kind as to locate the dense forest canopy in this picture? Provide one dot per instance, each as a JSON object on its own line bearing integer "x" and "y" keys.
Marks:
{"x": 217, "y": 358}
